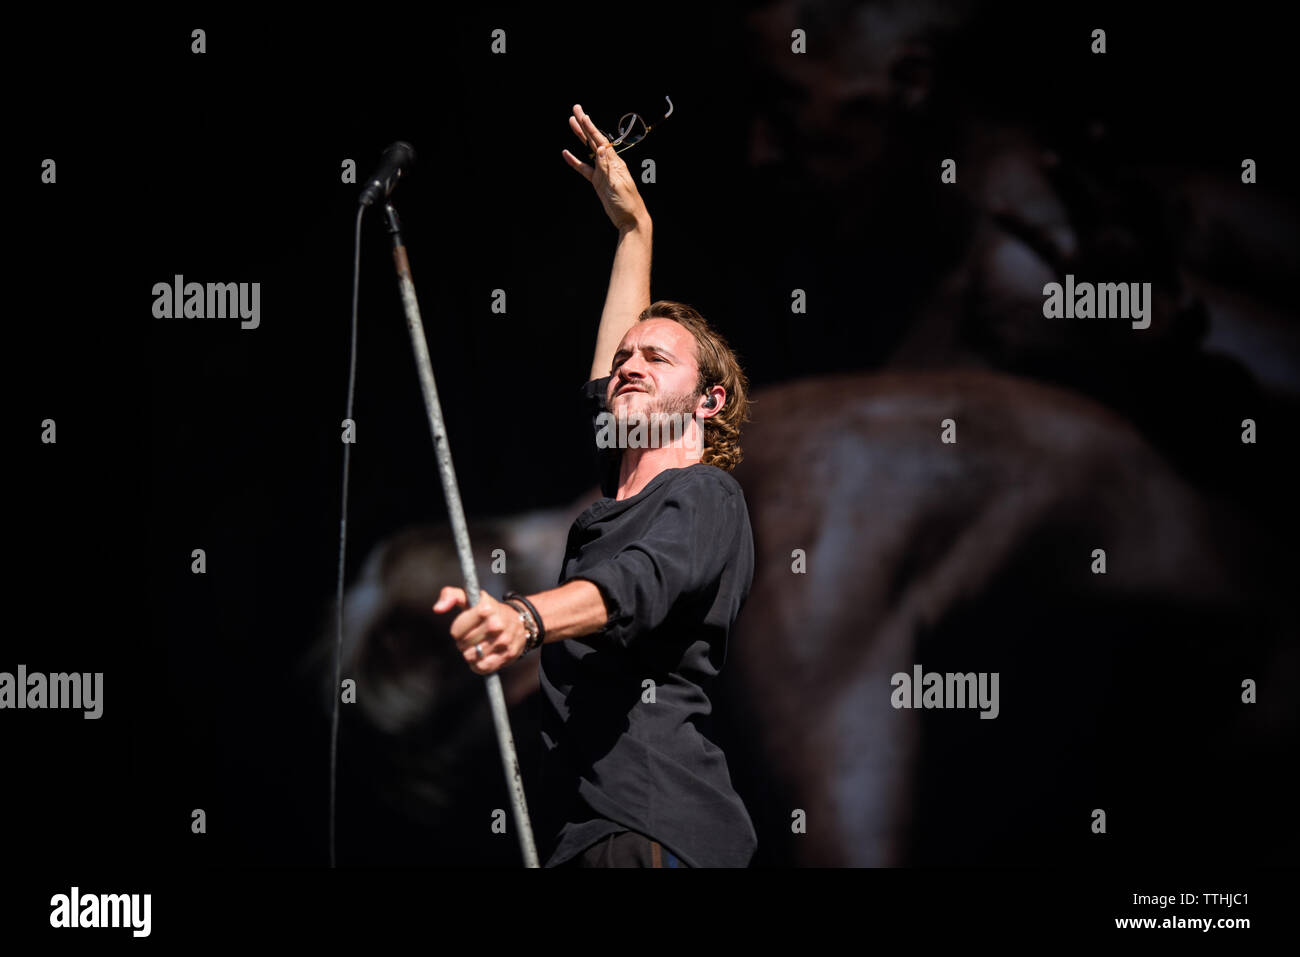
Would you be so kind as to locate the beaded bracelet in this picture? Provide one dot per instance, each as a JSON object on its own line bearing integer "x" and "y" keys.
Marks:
{"x": 531, "y": 611}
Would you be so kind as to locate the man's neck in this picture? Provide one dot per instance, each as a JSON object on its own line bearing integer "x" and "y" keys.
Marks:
{"x": 639, "y": 466}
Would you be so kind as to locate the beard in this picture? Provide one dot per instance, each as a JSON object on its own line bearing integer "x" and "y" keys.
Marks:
{"x": 663, "y": 416}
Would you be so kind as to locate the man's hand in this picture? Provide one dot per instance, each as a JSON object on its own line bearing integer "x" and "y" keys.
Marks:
{"x": 609, "y": 176}
{"x": 490, "y": 626}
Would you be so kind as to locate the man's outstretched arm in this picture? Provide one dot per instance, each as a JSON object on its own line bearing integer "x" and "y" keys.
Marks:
{"x": 625, "y": 596}
{"x": 574, "y": 609}
{"x": 629, "y": 279}
{"x": 628, "y": 295}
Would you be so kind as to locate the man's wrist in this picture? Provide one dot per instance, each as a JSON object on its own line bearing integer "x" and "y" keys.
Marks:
{"x": 640, "y": 226}
{"x": 532, "y": 621}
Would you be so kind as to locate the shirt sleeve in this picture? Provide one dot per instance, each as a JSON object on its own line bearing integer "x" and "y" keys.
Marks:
{"x": 605, "y": 461}
{"x": 683, "y": 554}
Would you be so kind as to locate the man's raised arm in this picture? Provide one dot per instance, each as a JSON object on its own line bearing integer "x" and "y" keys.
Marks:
{"x": 629, "y": 279}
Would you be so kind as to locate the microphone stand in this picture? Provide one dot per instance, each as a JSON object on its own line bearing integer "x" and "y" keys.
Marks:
{"x": 456, "y": 513}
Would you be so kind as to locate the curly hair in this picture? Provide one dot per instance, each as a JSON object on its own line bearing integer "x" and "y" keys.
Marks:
{"x": 718, "y": 366}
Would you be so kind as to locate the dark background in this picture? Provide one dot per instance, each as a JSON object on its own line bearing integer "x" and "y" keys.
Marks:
{"x": 183, "y": 434}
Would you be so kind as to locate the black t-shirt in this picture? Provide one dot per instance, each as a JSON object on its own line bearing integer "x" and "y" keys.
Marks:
{"x": 625, "y": 722}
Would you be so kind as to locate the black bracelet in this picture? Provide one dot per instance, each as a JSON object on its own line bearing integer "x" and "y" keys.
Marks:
{"x": 541, "y": 627}
{"x": 532, "y": 632}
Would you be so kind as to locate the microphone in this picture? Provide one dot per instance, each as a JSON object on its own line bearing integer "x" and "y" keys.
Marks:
{"x": 397, "y": 160}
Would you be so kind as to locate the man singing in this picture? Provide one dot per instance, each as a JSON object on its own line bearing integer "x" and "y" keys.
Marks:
{"x": 654, "y": 576}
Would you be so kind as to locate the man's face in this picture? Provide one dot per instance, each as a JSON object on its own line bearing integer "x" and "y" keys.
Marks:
{"x": 654, "y": 371}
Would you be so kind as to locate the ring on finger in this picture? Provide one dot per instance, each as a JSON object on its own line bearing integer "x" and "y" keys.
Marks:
{"x": 478, "y": 649}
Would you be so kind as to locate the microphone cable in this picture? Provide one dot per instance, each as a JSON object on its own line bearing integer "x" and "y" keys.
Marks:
{"x": 343, "y": 542}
